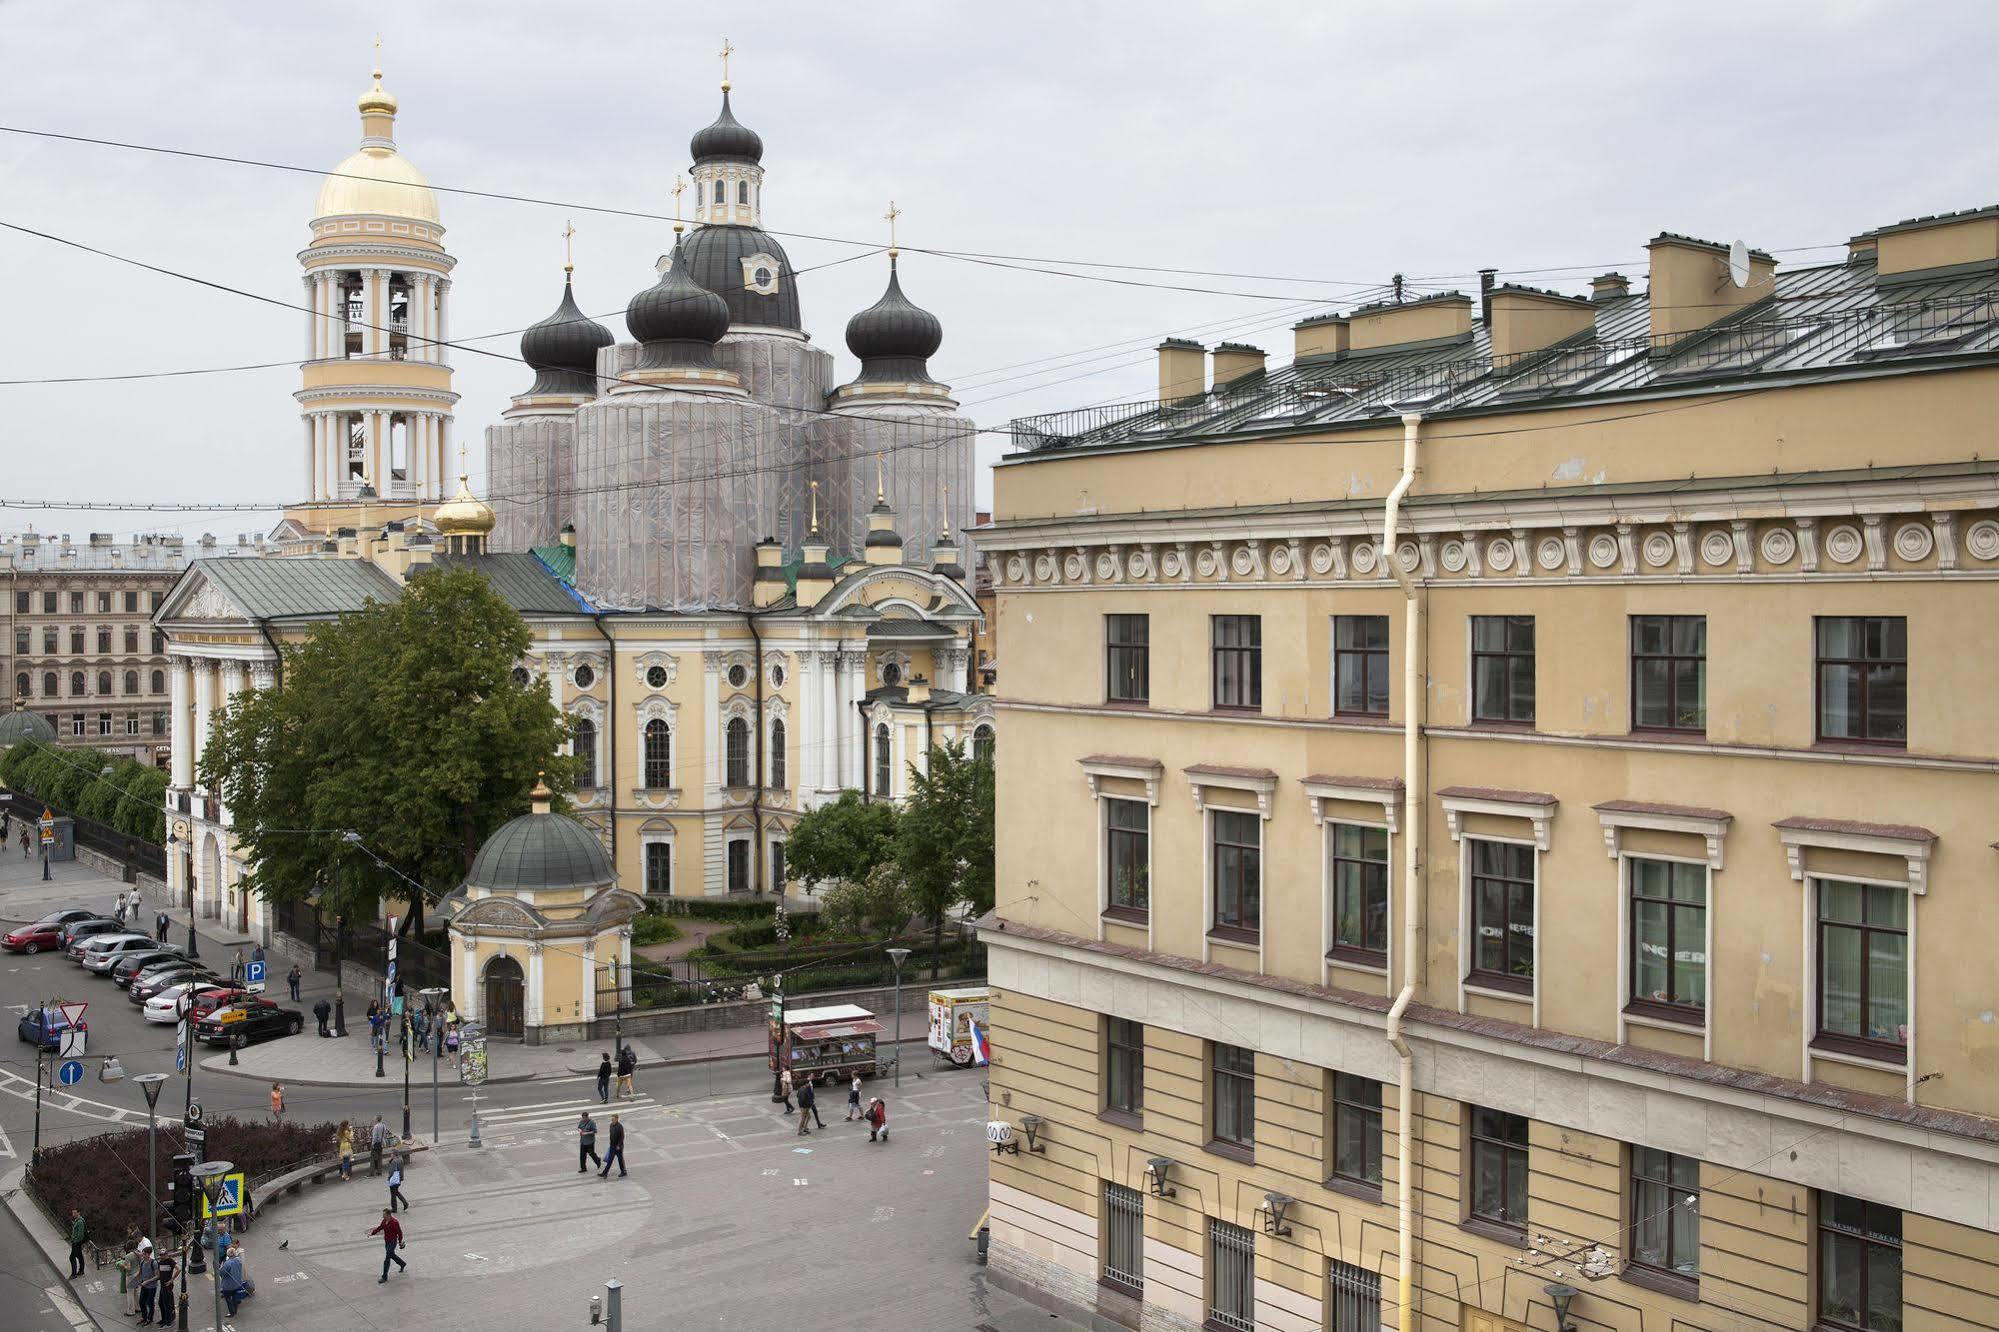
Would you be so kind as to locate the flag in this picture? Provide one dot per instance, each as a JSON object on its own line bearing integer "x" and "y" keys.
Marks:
{"x": 981, "y": 1056}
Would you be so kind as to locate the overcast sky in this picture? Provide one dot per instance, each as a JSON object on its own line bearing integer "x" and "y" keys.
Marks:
{"x": 1316, "y": 144}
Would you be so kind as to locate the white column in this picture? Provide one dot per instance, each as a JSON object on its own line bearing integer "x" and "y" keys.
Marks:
{"x": 204, "y": 706}
{"x": 534, "y": 995}
{"x": 589, "y": 1012}
{"x": 465, "y": 988}
{"x": 447, "y": 464}
{"x": 857, "y": 689}
{"x": 428, "y": 309}
{"x": 181, "y": 724}
{"x": 831, "y": 740}
{"x": 426, "y": 465}
{"x": 956, "y": 658}
{"x": 711, "y": 741}
{"x": 311, "y": 443}
{"x": 443, "y": 320}
{"x": 552, "y": 663}
{"x": 311, "y": 285}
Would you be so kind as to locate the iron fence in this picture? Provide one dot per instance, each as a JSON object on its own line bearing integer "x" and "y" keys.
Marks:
{"x": 1232, "y": 1277}
{"x": 1353, "y": 1301}
{"x": 1124, "y": 1236}
{"x": 134, "y": 852}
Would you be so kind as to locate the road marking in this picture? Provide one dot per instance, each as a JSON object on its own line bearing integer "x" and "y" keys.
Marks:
{"x": 6, "y": 1145}
{"x": 13, "y": 1084}
{"x": 799, "y": 1183}
{"x": 72, "y": 1312}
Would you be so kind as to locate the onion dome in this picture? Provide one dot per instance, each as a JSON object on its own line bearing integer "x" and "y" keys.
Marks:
{"x": 21, "y": 724}
{"x": 677, "y": 319}
{"x": 727, "y": 259}
{"x": 463, "y": 515}
{"x": 562, "y": 349}
{"x": 377, "y": 180}
{"x": 540, "y": 850}
{"x": 894, "y": 338}
{"x": 727, "y": 138}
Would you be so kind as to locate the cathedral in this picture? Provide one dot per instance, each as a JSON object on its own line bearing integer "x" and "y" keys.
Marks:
{"x": 746, "y": 582}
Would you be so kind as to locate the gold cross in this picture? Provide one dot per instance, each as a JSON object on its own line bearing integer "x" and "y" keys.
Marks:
{"x": 378, "y": 57}
{"x": 815, "y": 508}
{"x": 464, "y": 474}
{"x": 568, "y": 247}
{"x": 881, "y": 496}
{"x": 891, "y": 215}
{"x": 679, "y": 185}
{"x": 727, "y": 51}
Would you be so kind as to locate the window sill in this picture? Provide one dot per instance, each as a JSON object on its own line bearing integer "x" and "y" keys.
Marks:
{"x": 1354, "y": 1188}
{"x": 1129, "y": 704}
{"x": 1861, "y": 1051}
{"x": 1501, "y": 987}
{"x": 1665, "y": 1014}
{"x": 1234, "y": 710}
{"x": 1125, "y": 915}
{"x": 1377, "y": 719}
{"x": 1841, "y": 746}
{"x": 1233, "y": 1151}
{"x": 1367, "y": 959}
{"x": 1235, "y": 934}
{"x": 1662, "y": 1283}
{"x": 1692, "y": 734}
{"x": 1123, "y": 1119}
{"x": 1502, "y": 727}
{"x": 1124, "y": 1288}
{"x": 1495, "y": 1230}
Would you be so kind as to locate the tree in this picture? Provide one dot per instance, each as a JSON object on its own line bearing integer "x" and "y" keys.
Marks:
{"x": 944, "y": 839}
{"x": 876, "y": 906}
{"x": 402, "y": 722}
{"x": 842, "y": 842}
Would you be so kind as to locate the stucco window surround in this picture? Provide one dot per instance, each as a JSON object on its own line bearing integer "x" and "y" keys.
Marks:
{"x": 655, "y": 670}
{"x": 1536, "y": 808}
{"x": 590, "y": 710}
{"x": 1321, "y": 788}
{"x": 666, "y": 712}
{"x": 1097, "y": 769}
{"x": 1205, "y": 780}
{"x": 1908, "y": 843}
{"x": 1711, "y": 826}
{"x": 655, "y": 832}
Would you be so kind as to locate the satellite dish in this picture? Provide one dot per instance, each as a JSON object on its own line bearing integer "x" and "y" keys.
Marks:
{"x": 1738, "y": 263}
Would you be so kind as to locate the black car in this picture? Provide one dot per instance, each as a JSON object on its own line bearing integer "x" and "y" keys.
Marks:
{"x": 260, "y": 1020}
{"x": 149, "y": 983}
{"x": 132, "y": 964}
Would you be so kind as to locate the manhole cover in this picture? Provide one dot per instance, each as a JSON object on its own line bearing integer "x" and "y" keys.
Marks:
{"x": 565, "y": 1049}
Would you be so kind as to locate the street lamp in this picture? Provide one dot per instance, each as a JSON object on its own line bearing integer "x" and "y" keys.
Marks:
{"x": 430, "y": 996}
{"x": 1561, "y": 1295}
{"x": 208, "y": 1177}
{"x": 150, "y": 1084}
{"x": 898, "y": 956}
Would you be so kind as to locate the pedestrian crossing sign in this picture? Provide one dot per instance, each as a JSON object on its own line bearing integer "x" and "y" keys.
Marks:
{"x": 228, "y": 1199}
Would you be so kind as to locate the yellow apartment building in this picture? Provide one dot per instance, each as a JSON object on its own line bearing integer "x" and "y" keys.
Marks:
{"x": 1497, "y": 820}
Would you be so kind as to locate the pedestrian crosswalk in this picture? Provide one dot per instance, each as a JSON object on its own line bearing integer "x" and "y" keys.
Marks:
{"x": 542, "y": 1115}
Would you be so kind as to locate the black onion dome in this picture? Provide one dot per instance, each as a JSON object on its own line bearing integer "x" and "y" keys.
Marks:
{"x": 562, "y": 349}
{"x": 894, "y": 338}
{"x": 726, "y": 138}
{"x": 677, "y": 318}
{"x": 714, "y": 255}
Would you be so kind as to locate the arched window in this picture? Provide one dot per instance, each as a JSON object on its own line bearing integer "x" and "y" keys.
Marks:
{"x": 777, "y": 773}
{"x": 131, "y": 682}
{"x": 76, "y": 684}
{"x": 742, "y": 191}
{"x": 721, "y": 192}
{"x": 884, "y": 769}
{"x": 103, "y": 683}
{"x": 21, "y": 683}
{"x": 738, "y": 753}
{"x": 658, "y": 756}
{"x": 159, "y": 682}
{"x": 982, "y": 743}
{"x": 583, "y": 736}
{"x": 49, "y": 689}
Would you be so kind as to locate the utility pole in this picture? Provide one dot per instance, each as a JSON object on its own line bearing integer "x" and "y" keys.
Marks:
{"x": 41, "y": 1034}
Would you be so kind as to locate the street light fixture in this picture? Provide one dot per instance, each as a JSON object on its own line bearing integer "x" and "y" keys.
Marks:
{"x": 208, "y": 1177}
{"x": 430, "y": 996}
{"x": 150, "y": 1084}
{"x": 1561, "y": 1295}
{"x": 898, "y": 956}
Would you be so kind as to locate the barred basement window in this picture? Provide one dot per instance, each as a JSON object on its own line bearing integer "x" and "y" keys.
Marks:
{"x": 1124, "y": 1237}
{"x": 1353, "y": 1299}
{"x": 1231, "y": 1277}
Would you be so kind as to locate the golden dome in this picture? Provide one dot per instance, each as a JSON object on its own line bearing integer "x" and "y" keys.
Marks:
{"x": 377, "y": 179}
{"x": 464, "y": 514}
{"x": 377, "y": 99}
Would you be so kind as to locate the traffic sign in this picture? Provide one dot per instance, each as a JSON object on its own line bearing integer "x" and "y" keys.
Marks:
{"x": 70, "y": 1073}
{"x": 228, "y": 1199}
{"x": 193, "y": 1115}
{"x": 253, "y": 976}
{"x": 72, "y": 1013}
{"x": 69, "y": 1042}
{"x": 180, "y": 1059}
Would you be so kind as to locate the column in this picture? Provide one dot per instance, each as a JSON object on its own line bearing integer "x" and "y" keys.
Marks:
{"x": 181, "y": 724}
{"x": 831, "y": 739}
{"x": 427, "y": 312}
{"x": 311, "y": 455}
{"x": 232, "y": 685}
{"x": 533, "y": 1014}
{"x": 465, "y": 986}
{"x": 420, "y": 459}
{"x": 443, "y": 320}
{"x": 445, "y": 467}
{"x": 954, "y": 658}
{"x": 856, "y": 747}
{"x": 589, "y": 1009}
{"x": 711, "y": 739}
{"x": 311, "y": 285}
{"x": 378, "y": 312}
{"x": 204, "y": 705}
{"x": 552, "y": 663}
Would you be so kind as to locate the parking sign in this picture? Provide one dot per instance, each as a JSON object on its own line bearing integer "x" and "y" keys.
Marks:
{"x": 253, "y": 976}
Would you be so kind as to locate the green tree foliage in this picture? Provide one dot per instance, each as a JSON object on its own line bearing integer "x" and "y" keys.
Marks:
{"x": 874, "y": 907}
{"x": 842, "y": 842}
{"x": 130, "y": 798}
{"x": 402, "y": 722}
{"x": 944, "y": 839}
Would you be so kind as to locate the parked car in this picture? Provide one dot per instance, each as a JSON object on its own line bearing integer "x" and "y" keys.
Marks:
{"x": 252, "y": 1019}
{"x": 208, "y": 998}
{"x": 163, "y": 1006}
{"x": 130, "y": 965}
{"x": 44, "y": 935}
{"x": 146, "y": 987}
{"x": 44, "y": 1027}
{"x": 100, "y": 952}
{"x": 89, "y": 925}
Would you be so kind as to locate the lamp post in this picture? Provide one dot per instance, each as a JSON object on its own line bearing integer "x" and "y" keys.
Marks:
{"x": 150, "y": 1084}
{"x": 208, "y": 1176}
{"x": 898, "y": 956}
{"x": 430, "y": 996}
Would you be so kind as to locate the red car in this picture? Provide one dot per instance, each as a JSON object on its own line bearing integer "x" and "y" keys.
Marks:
{"x": 207, "y": 1001}
{"x": 44, "y": 934}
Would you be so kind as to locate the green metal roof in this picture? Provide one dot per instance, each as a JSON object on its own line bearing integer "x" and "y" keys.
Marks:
{"x": 791, "y": 569}
{"x": 541, "y": 851}
{"x": 268, "y": 587}
{"x": 521, "y": 580}
{"x": 560, "y": 560}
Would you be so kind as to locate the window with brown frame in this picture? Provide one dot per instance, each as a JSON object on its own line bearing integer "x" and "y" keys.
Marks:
{"x": 1860, "y": 1265}
{"x": 1360, "y": 894}
{"x": 1502, "y": 915}
{"x": 1666, "y": 1213}
{"x": 1353, "y": 1137}
{"x": 1669, "y": 939}
{"x": 1238, "y": 662}
{"x": 1863, "y": 679}
{"x": 1360, "y": 665}
{"x": 1128, "y": 858}
{"x": 1124, "y": 1066}
{"x": 1236, "y": 856}
{"x": 1502, "y": 668}
{"x": 1232, "y": 1095}
{"x": 1669, "y": 673}
{"x": 1863, "y": 969}
{"x": 1498, "y": 1168}
{"x": 1127, "y": 658}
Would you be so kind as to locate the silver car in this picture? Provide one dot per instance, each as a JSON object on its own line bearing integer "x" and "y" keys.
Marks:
{"x": 105, "y": 949}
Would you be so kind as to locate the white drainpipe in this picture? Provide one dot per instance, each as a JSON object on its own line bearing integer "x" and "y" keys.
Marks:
{"x": 1412, "y": 883}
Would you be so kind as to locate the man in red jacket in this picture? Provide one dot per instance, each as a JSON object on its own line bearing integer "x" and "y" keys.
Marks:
{"x": 391, "y": 1231}
{"x": 877, "y": 1117}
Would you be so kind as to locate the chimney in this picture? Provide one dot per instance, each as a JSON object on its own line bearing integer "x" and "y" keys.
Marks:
{"x": 1605, "y": 287}
{"x": 208, "y": 541}
{"x": 420, "y": 550}
{"x": 1233, "y": 360}
{"x": 569, "y": 535}
{"x": 1324, "y": 336}
{"x": 1522, "y": 319}
{"x": 1183, "y": 370}
{"x": 1434, "y": 320}
{"x": 1690, "y": 286}
{"x": 1488, "y": 278}
{"x": 1946, "y": 245}
{"x": 1863, "y": 249}
{"x": 100, "y": 538}
{"x": 768, "y": 588}
{"x": 919, "y": 688}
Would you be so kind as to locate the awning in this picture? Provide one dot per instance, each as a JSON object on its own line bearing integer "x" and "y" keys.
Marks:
{"x": 835, "y": 1030}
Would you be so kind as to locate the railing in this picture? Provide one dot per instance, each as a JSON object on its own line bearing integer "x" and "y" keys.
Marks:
{"x": 134, "y": 852}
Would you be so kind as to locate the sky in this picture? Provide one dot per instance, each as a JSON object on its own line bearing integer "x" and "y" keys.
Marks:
{"x": 1307, "y": 151}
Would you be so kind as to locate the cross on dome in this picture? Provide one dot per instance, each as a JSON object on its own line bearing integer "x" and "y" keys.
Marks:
{"x": 727, "y": 51}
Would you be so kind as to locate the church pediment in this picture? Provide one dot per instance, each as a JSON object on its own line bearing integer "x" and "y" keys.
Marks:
{"x": 198, "y": 597}
{"x": 500, "y": 913}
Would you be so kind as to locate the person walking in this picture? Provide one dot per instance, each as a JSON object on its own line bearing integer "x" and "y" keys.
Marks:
{"x": 79, "y": 1231}
{"x": 616, "y": 1152}
{"x": 257, "y": 953}
{"x": 396, "y": 1198}
{"x": 160, "y": 923}
{"x": 586, "y": 1143}
{"x": 118, "y": 912}
{"x": 132, "y": 909}
{"x": 808, "y": 1103}
{"x": 127, "y": 1263}
{"x": 604, "y": 1079}
{"x": 169, "y": 1269}
{"x": 854, "y": 1099}
{"x": 236, "y": 968}
{"x": 877, "y": 1118}
{"x": 278, "y": 1102}
{"x": 25, "y": 853}
{"x": 391, "y": 1231}
{"x": 346, "y": 1150}
{"x": 236, "y": 1287}
{"x": 147, "y": 1283}
{"x": 784, "y": 1090}
{"x": 378, "y": 1138}
{"x": 628, "y": 1064}
{"x": 292, "y": 979}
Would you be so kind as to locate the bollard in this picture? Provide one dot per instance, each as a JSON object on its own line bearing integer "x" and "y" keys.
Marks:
{"x": 614, "y": 1290}
{"x": 235, "y": 1044}
{"x": 596, "y": 1310}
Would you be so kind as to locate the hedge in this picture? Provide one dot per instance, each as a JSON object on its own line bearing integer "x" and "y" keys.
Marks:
{"x": 131, "y": 798}
{"x": 701, "y": 908}
{"x": 654, "y": 928}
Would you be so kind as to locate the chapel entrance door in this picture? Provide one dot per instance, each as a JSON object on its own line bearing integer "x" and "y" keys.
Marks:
{"x": 505, "y": 990}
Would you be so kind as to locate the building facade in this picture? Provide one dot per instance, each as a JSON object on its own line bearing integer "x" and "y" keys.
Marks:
{"x": 1498, "y": 815}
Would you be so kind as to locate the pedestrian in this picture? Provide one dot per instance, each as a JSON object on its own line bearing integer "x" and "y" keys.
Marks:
{"x": 127, "y": 1263}
{"x": 147, "y": 1283}
{"x": 616, "y": 1152}
{"x": 784, "y": 1090}
{"x": 391, "y": 1232}
{"x": 257, "y": 953}
{"x": 628, "y": 1064}
{"x": 347, "y": 1150}
{"x": 118, "y": 912}
{"x": 78, "y": 1233}
{"x": 804, "y": 1114}
{"x": 604, "y": 1079}
{"x": 132, "y": 909}
{"x": 236, "y": 1287}
{"x": 396, "y": 1198}
{"x": 378, "y": 1138}
{"x": 854, "y": 1099}
{"x": 25, "y": 853}
{"x": 169, "y": 1269}
{"x": 808, "y": 1101}
{"x": 877, "y": 1118}
{"x": 292, "y": 979}
{"x": 586, "y": 1143}
{"x": 236, "y": 968}
{"x": 422, "y": 1021}
{"x": 160, "y": 923}
{"x": 278, "y": 1102}
{"x": 323, "y": 1010}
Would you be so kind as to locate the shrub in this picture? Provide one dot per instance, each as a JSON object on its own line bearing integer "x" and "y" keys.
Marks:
{"x": 700, "y": 908}
{"x": 652, "y": 928}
